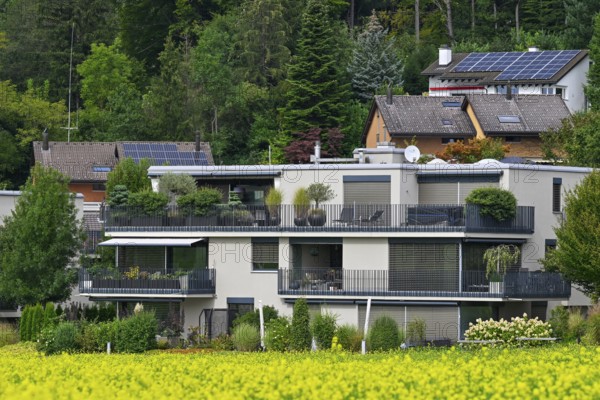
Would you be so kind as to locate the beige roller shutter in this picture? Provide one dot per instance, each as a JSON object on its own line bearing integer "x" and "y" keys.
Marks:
{"x": 442, "y": 321}
{"x": 438, "y": 193}
{"x": 367, "y": 193}
{"x": 395, "y": 312}
{"x": 464, "y": 188}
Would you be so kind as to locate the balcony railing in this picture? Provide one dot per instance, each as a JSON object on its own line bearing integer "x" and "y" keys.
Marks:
{"x": 147, "y": 281}
{"x": 420, "y": 282}
{"x": 329, "y": 218}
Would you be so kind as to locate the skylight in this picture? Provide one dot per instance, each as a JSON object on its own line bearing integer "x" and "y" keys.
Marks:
{"x": 447, "y": 122}
{"x": 451, "y": 103}
{"x": 509, "y": 119}
{"x": 101, "y": 168}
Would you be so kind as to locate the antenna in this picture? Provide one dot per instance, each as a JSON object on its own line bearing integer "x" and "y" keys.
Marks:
{"x": 68, "y": 127}
{"x": 412, "y": 154}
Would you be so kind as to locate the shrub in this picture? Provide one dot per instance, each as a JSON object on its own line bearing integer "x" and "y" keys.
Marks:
{"x": 49, "y": 316}
{"x": 509, "y": 331}
{"x": 59, "y": 339}
{"x": 148, "y": 203}
{"x": 497, "y": 203}
{"x": 559, "y": 321}
{"x": 592, "y": 330}
{"x": 119, "y": 196}
{"x": 200, "y": 202}
{"x": 9, "y": 334}
{"x": 87, "y": 337}
{"x": 223, "y": 342}
{"x": 106, "y": 312}
{"x": 576, "y": 325}
{"x": 383, "y": 335}
{"x": 277, "y": 334}
{"x": 35, "y": 322}
{"x": 106, "y": 332}
{"x": 415, "y": 331}
{"x": 300, "y": 330}
{"x": 175, "y": 185}
{"x": 245, "y": 337}
{"x": 253, "y": 317}
{"x": 323, "y": 329}
{"x": 137, "y": 333}
{"x": 349, "y": 337}
{"x": 24, "y": 324}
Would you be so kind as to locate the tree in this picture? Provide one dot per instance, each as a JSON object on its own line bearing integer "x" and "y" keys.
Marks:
{"x": 592, "y": 90}
{"x": 577, "y": 255}
{"x": 300, "y": 330}
{"x": 579, "y": 22}
{"x": 315, "y": 89}
{"x": 134, "y": 176}
{"x": 576, "y": 142}
{"x": 301, "y": 148}
{"x": 374, "y": 61}
{"x": 474, "y": 150}
{"x": 40, "y": 240}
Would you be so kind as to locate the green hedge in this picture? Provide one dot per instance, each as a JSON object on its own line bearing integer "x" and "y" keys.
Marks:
{"x": 494, "y": 202}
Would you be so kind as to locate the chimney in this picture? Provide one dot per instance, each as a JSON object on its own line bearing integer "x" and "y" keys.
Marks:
{"x": 509, "y": 92}
{"x": 445, "y": 55}
{"x": 197, "y": 141}
{"x": 390, "y": 98}
{"x": 533, "y": 48}
{"x": 45, "y": 145}
{"x": 317, "y": 151}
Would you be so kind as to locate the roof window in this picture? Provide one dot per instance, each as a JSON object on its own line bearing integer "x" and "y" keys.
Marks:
{"x": 509, "y": 119}
{"x": 447, "y": 122}
{"x": 101, "y": 168}
{"x": 451, "y": 103}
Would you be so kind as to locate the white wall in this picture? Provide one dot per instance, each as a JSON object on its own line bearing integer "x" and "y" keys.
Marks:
{"x": 575, "y": 82}
{"x": 365, "y": 253}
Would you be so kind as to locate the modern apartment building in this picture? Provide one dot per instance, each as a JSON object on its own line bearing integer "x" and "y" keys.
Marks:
{"x": 398, "y": 233}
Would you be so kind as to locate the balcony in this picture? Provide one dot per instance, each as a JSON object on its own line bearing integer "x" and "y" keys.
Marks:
{"x": 422, "y": 282}
{"x": 331, "y": 218}
{"x": 147, "y": 281}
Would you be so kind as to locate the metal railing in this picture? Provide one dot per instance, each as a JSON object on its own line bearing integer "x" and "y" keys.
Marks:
{"x": 147, "y": 281}
{"x": 420, "y": 282}
{"x": 326, "y": 218}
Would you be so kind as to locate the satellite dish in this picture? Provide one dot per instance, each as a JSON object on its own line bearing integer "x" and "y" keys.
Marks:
{"x": 412, "y": 154}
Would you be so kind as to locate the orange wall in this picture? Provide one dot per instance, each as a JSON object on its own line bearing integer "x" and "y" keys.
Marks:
{"x": 528, "y": 147}
{"x": 375, "y": 127}
{"x": 86, "y": 190}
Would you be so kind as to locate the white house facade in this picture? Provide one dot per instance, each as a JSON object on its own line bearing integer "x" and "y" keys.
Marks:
{"x": 396, "y": 232}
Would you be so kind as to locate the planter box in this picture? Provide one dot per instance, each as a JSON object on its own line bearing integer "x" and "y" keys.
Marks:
{"x": 497, "y": 287}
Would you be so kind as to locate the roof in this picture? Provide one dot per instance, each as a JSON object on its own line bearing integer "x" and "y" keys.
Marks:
{"x": 409, "y": 116}
{"x": 536, "y": 113}
{"x": 77, "y": 159}
{"x": 446, "y": 72}
{"x": 91, "y": 161}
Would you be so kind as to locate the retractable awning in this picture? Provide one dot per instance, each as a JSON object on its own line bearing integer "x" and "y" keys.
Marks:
{"x": 152, "y": 242}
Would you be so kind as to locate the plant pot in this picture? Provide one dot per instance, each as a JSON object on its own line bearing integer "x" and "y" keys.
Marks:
{"x": 274, "y": 221}
{"x": 317, "y": 218}
{"x": 184, "y": 282}
{"x": 300, "y": 221}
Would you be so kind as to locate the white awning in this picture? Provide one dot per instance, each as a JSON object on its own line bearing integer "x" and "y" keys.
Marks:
{"x": 181, "y": 242}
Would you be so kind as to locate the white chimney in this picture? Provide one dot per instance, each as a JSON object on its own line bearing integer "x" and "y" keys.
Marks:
{"x": 445, "y": 55}
{"x": 533, "y": 48}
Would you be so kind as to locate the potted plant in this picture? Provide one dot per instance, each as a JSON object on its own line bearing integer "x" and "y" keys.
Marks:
{"x": 273, "y": 201}
{"x": 148, "y": 208}
{"x": 234, "y": 213}
{"x": 301, "y": 203}
{"x": 200, "y": 206}
{"x": 497, "y": 260}
{"x": 318, "y": 192}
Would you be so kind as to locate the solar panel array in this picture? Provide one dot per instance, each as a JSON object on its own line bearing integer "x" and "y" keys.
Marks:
{"x": 518, "y": 65}
{"x": 163, "y": 154}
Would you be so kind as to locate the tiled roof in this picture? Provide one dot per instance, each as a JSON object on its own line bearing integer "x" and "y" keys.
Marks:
{"x": 536, "y": 113}
{"x": 425, "y": 116}
{"x": 91, "y": 221}
{"x": 77, "y": 159}
{"x": 445, "y": 72}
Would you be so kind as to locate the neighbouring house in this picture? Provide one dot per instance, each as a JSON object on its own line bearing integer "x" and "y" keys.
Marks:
{"x": 398, "y": 233}
{"x": 435, "y": 121}
{"x": 549, "y": 72}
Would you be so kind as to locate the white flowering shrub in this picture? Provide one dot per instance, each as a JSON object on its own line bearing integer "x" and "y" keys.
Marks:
{"x": 508, "y": 331}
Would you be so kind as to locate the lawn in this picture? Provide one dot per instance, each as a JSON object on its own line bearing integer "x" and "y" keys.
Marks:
{"x": 560, "y": 371}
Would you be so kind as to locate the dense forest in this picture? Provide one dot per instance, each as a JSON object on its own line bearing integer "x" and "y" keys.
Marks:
{"x": 245, "y": 74}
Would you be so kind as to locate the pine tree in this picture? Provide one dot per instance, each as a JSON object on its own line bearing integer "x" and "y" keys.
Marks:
{"x": 374, "y": 61}
{"x": 316, "y": 90}
{"x": 579, "y": 22}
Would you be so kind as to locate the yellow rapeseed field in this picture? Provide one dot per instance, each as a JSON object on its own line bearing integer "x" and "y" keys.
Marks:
{"x": 557, "y": 372}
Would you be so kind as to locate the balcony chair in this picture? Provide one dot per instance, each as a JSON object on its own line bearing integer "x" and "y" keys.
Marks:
{"x": 375, "y": 218}
{"x": 346, "y": 216}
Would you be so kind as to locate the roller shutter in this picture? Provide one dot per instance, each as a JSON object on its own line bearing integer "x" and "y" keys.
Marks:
{"x": 367, "y": 189}
{"x": 449, "y": 192}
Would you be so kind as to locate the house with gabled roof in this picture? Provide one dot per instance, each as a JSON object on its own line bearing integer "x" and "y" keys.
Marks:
{"x": 435, "y": 121}
{"x": 549, "y": 72}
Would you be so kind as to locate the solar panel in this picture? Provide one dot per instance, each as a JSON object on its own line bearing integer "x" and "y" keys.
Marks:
{"x": 518, "y": 65}
{"x": 163, "y": 154}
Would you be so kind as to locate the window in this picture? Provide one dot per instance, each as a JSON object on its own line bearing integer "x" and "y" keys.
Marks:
{"x": 560, "y": 92}
{"x": 556, "y": 189}
{"x": 451, "y": 103}
{"x": 509, "y": 119}
{"x": 512, "y": 139}
{"x": 447, "y": 122}
{"x": 98, "y": 187}
{"x": 451, "y": 140}
{"x": 550, "y": 245}
{"x": 501, "y": 89}
{"x": 547, "y": 90}
{"x": 265, "y": 256}
{"x": 101, "y": 168}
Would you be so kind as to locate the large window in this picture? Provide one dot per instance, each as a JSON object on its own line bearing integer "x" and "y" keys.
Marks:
{"x": 187, "y": 258}
{"x": 265, "y": 256}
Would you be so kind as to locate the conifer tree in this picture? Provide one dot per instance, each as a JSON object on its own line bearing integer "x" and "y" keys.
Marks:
{"x": 300, "y": 330}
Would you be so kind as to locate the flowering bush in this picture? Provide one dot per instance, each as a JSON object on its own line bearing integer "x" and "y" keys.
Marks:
{"x": 508, "y": 331}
